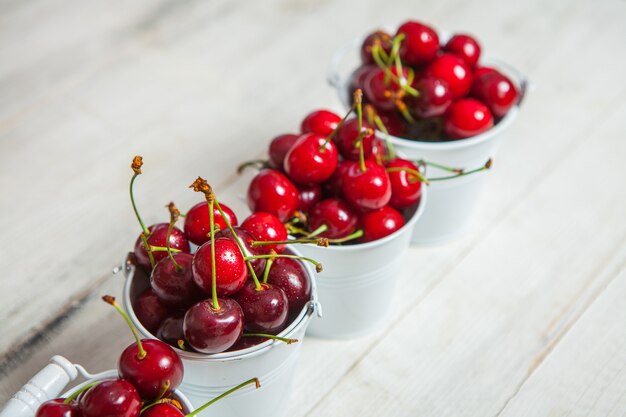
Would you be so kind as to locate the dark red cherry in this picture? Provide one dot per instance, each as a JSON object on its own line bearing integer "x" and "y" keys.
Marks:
{"x": 382, "y": 91}
{"x": 309, "y": 196}
{"x": 150, "y": 310}
{"x": 160, "y": 371}
{"x": 311, "y": 160}
{"x": 246, "y": 239}
{"x": 279, "y": 146}
{"x": 247, "y": 342}
{"x": 266, "y": 227}
{"x": 273, "y": 192}
{"x": 339, "y": 218}
{"x": 393, "y": 123}
{"x": 197, "y": 222}
{"x": 346, "y": 140}
{"x": 420, "y": 45}
{"x": 454, "y": 71}
{"x": 208, "y": 330}
{"x": 496, "y": 91}
{"x": 289, "y": 275}
{"x": 467, "y": 117}
{"x": 230, "y": 267}
{"x": 322, "y": 122}
{"x": 369, "y": 189}
{"x": 334, "y": 186}
{"x": 357, "y": 78}
{"x": 380, "y": 37}
{"x": 406, "y": 188}
{"x": 434, "y": 100}
{"x": 265, "y": 310}
{"x": 465, "y": 47}
{"x": 158, "y": 237}
{"x": 162, "y": 410}
{"x": 174, "y": 284}
{"x": 380, "y": 223}
{"x": 58, "y": 408}
{"x": 171, "y": 329}
{"x": 111, "y": 398}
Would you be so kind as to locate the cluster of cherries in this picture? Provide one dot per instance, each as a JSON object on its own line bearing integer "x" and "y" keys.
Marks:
{"x": 337, "y": 180}
{"x": 149, "y": 371}
{"x": 239, "y": 288}
{"x": 428, "y": 91}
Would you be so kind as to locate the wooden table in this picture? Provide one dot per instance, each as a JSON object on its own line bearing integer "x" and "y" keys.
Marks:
{"x": 524, "y": 316}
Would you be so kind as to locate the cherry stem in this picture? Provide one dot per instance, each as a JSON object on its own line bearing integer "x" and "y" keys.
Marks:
{"x": 317, "y": 231}
{"x": 463, "y": 174}
{"x": 132, "y": 201}
{"x": 322, "y": 148}
{"x": 389, "y": 75}
{"x": 374, "y": 119}
{"x": 230, "y": 391}
{"x": 80, "y": 391}
{"x": 255, "y": 163}
{"x": 181, "y": 344}
{"x": 164, "y": 389}
{"x": 216, "y": 304}
{"x": 294, "y": 229}
{"x": 411, "y": 171}
{"x": 318, "y": 266}
{"x": 141, "y": 354}
{"x": 358, "y": 102}
{"x": 442, "y": 167}
{"x": 174, "y": 213}
{"x": 148, "y": 248}
{"x": 268, "y": 266}
{"x": 351, "y": 236}
{"x": 322, "y": 241}
{"x": 271, "y": 336}
{"x": 162, "y": 249}
{"x": 395, "y": 47}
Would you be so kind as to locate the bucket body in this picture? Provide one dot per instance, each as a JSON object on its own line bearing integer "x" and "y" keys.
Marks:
{"x": 358, "y": 284}
{"x": 207, "y": 376}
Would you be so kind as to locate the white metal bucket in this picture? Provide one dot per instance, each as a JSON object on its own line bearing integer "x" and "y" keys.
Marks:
{"x": 358, "y": 284}
{"x": 207, "y": 376}
{"x": 48, "y": 384}
{"x": 452, "y": 203}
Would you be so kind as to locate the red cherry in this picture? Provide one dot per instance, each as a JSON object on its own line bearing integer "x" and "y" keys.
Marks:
{"x": 110, "y": 398}
{"x": 197, "y": 222}
{"x": 382, "y": 37}
{"x": 334, "y": 186}
{"x": 357, "y": 78}
{"x": 162, "y": 410}
{"x": 208, "y": 330}
{"x": 420, "y": 45}
{"x": 158, "y": 237}
{"x": 496, "y": 91}
{"x": 150, "y": 310}
{"x": 380, "y": 223}
{"x": 434, "y": 100}
{"x": 311, "y": 160}
{"x": 246, "y": 239}
{"x": 160, "y": 368}
{"x": 266, "y": 227}
{"x": 393, "y": 123}
{"x": 171, "y": 329}
{"x": 381, "y": 91}
{"x": 309, "y": 196}
{"x": 465, "y": 47}
{"x": 175, "y": 285}
{"x": 322, "y": 122}
{"x": 273, "y": 192}
{"x": 265, "y": 310}
{"x": 480, "y": 71}
{"x": 369, "y": 189}
{"x": 406, "y": 189}
{"x": 230, "y": 267}
{"x": 279, "y": 146}
{"x": 454, "y": 71}
{"x": 336, "y": 214}
{"x": 58, "y": 408}
{"x": 346, "y": 140}
{"x": 467, "y": 117}
{"x": 289, "y": 275}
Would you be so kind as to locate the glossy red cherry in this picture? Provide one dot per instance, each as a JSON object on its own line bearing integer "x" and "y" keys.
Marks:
{"x": 230, "y": 267}
{"x": 406, "y": 189}
{"x": 338, "y": 217}
{"x": 382, "y": 91}
{"x": 162, "y": 410}
{"x": 454, "y": 71}
{"x": 266, "y": 227}
{"x": 311, "y": 160}
{"x": 197, "y": 224}
{"x": 174, "y": 283}
{"x": 322, "y": 122}
{"x": 465, "y": 47}
{"x": 246, "y": 239}
{"x": 380, "y": 223}
{"x": 158, "y": 237}
{"x": 420, "y": 45}
{"x": 496, "y": 91}
{"x": 110, "y": 398}
{"x": 208, "y": 330}
{"x": 279, "y": 146}
{"x": 467, "y": 117}
{"x": 382, "y": 38}
{"x": 357, "y": 78}
{"x": 309, "y": 196}
{"x": 346, "y": 140}
{"x": 159, "y": 371}
{"x": 171, "y": 329}
{"x": 434, "y": 100}
{"x": 265, "y": 310}
{"x": 289, "y": 275}
{"x": 369, "y": 189}
{"x": 150, "y": 310}
{"x": 273, "y": 192}
{"x": 58, "y": 408}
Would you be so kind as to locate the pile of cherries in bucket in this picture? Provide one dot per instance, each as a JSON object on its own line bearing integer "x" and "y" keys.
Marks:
{"x": 238, "y": 289}
{"x": 149, "y": 371}
{"x": 429, "y": 91}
